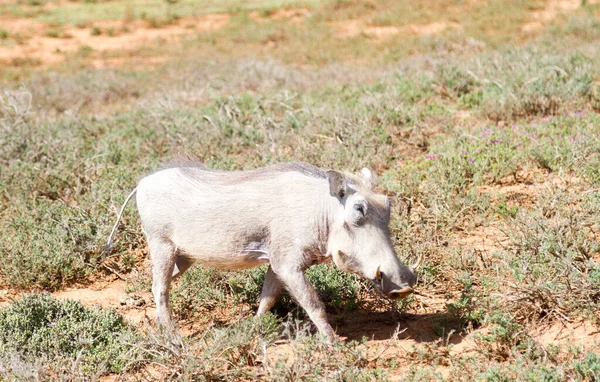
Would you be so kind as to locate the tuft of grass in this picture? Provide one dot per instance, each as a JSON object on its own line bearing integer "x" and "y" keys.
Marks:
{"x": 25, "y": 62}
{"x": 228, "y": 353}
{"x": 314, "y": 359}
{"x": 95, "y": 31}
{"x": 57, "y": 33}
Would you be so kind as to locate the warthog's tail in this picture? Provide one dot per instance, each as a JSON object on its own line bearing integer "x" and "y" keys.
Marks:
{"x": 114, "y": 230}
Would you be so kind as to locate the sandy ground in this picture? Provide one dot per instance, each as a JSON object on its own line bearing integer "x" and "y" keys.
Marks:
{"x": 39, "y": 44}
{"x": 353, "y": 28}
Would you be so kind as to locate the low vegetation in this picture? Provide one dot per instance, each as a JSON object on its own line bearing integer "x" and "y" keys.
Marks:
{"x": 43, "y": 337}
{"x": 484, "y": 137}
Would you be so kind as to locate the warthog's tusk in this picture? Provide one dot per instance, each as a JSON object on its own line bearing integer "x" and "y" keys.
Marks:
{"x": 418, "y": 263}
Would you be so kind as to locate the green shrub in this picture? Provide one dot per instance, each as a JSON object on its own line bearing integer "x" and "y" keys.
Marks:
{"x": 198, "y": 289}
{"x": 55, "y": 242}
{"x": 339, "y": 290}
{"x": 202, "y": 288}
{"x": 40, "y": 325}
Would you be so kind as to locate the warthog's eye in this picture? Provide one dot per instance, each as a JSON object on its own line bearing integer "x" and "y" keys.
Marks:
{"x": 360, "y": 212}
{"x": 361, "y": 208}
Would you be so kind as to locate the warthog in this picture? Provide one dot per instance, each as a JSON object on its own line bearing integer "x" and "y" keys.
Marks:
{"x": 289, "y": 215}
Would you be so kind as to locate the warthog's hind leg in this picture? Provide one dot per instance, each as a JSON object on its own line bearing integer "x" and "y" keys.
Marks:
{"x": 270, "y": 292}
{"x": 162, "y": 253}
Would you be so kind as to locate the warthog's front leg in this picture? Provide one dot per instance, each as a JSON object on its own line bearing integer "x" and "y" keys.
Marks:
{"x": 307, "y": 298}
{"x": 270, "y": 292}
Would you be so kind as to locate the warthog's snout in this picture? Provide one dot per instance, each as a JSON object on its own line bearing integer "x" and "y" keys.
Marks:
{"x": 399, "y": 294}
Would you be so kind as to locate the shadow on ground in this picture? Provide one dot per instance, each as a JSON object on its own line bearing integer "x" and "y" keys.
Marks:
{"x": 428, "y": 327}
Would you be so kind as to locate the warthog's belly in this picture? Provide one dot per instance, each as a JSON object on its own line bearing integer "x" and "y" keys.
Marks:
{"x": 252, "y": 255}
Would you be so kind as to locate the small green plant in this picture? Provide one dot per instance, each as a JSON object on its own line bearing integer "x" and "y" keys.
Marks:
{"x": 588, "y": 368}
{"x": 503, "y": 329}
{"x": 465, "y": 308}
{"x": 505, "y": 210}
{"x": 594, "y": 277}
{"x": 85, "y": 50}
{"x": 471, "y": 100}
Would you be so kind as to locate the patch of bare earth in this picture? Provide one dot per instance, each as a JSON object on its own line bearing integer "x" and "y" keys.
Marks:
{"x": 36, "y": 43}
{"x": 578, "y": 333}
{"x": 136, "y": 307}
{"x": 5, "y": 297}
{"x": 553, "y": 9}
{"x": 524, "y": 186}
{"x": 522, "y": 194}
{"x": 483, "y": 240}
{"x": 356, "y": 27}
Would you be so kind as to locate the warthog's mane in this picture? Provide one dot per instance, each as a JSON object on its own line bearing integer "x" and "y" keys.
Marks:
{"x": 189, "y": 168}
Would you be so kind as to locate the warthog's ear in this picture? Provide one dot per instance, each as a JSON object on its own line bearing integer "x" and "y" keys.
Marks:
{"x": 337, "y": 184}
{"x": 368, "y": 177}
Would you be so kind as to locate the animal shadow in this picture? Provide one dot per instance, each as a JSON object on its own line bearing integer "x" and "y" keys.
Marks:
{"x": 421, "y": 328}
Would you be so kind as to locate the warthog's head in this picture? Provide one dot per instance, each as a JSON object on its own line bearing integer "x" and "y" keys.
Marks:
{"x": 359, "y": 239}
